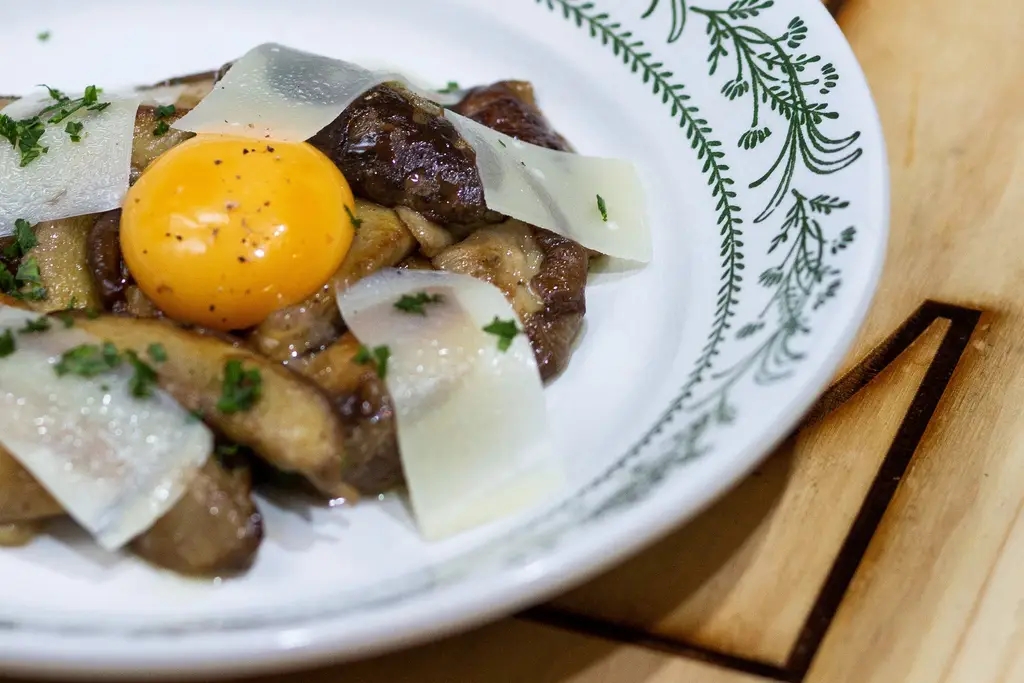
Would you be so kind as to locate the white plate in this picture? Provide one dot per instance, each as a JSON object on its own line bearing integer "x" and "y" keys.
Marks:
{"x": 689, "y": 370}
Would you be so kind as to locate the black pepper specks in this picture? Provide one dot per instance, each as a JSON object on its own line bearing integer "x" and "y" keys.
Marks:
{"x": 217, "y": 162}
{"x": 241, "y": 259}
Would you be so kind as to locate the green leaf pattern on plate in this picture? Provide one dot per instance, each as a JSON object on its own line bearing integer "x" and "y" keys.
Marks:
{"x": 787, "y": 93}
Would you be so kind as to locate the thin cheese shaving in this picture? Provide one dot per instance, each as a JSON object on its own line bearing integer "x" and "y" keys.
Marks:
{"x": 559, "y": 191}
{"x": 115, "y": 463}
{"x": 72, "y": 178}
{"x": 278, "y": 93}
{"x": 471, "y": 418}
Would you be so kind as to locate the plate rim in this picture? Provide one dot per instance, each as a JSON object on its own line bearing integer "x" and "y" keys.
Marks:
{"x": 482, "y": 598}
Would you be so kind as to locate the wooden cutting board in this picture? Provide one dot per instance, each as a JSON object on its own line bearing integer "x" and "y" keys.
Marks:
{"x": 884, "y": 542}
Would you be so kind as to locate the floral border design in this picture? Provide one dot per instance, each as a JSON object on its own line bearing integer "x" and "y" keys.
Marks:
{"x": 781, "y": 85}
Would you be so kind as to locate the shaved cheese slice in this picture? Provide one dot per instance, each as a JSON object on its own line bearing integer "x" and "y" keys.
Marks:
{"x": 472, "y": 424}
{"x": 559, "y": 191}
{"x": 114, "y": 462}
{"x": 276, "y": 92}
{"x": 72, "y": 178}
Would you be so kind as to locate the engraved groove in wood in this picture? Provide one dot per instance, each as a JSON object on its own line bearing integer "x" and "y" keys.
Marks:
{"x": 922, "y": 407}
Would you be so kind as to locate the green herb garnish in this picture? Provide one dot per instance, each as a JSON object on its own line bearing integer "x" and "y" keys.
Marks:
{"x": 43, "y": 36}
{"x": 157, "y": 353}
{"x": 143, "y": 379}
{"x": 161, "y": 129}
{"x": 25, "y": 134}
{"x": 241, "y": 389}
{"x": 377, "y": 357}
{"x": 415, "y": 303}
{"x": 28, "y": 272}
{"x": 88, "y": 360}
{"x": 37, "y": 325}
{"x": 74, "y": 130}
{"x": 24, "y": 240}
{"x": 356, "y": 222}
{"x": 165, "y": 110}
{"x": 25, "y": 237}
{"x": 504, "y": 330}
{"x": 66, "y": 318}
{"x": 603, "y": 208}
{"x": 452, "y": 87}
{"x": 7, "y": 344}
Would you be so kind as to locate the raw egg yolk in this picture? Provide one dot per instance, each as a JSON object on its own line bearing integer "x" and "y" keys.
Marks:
{"x": 223, "y": 231}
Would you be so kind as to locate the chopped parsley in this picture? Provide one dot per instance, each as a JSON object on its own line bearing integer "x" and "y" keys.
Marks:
{"x": 143, "y": 378}
{"x": 377, "y": 357}
{"x": 241, "y": 389}
{"x": 26, "y": 283}
{"x": 161, "y": 129}
{"x": 502, "y": 143}
{"x": 74, "y": 130}
{"x": 24, "y": 240}
{"x": 92, "y": 360}
{"x": 25, "y": 134}
{"x": 28, "y": 275}
{"x": 7, "y": 344}
{"x": 37, "y": 325}
{"x": 28, "y": 272}
{"x": 415, "y": 303}
{"x": 157, "y": 353}
{"x": 88, "y": 360}
{"x": 67, "y": 319}
{"x": 356, "y": 222}
{"x": 452, "y": 87}
{"x": 165, "y": 110}
{"x": 504, "y": 330}
{"x": 43, "y": 36}
{"x": 603, "y": 208}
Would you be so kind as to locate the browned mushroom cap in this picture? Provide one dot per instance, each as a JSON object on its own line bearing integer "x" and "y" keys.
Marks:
{"x": 397, "y": 149}
{"x": 510, "y": 107}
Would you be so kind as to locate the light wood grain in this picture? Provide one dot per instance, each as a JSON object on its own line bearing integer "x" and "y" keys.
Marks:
{"x": 742, "y": 578}
{"x": 934, "y": 600}
{"x": 515, "y": 652}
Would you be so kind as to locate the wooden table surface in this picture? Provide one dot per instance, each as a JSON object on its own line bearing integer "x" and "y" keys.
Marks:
{"x": 884, "y": 542}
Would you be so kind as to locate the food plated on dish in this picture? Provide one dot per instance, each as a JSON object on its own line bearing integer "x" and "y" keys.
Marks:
{"x": 295, "y": 271}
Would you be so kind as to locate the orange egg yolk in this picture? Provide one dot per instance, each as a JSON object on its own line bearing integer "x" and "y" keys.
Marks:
{"x": 223, "y": 231}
